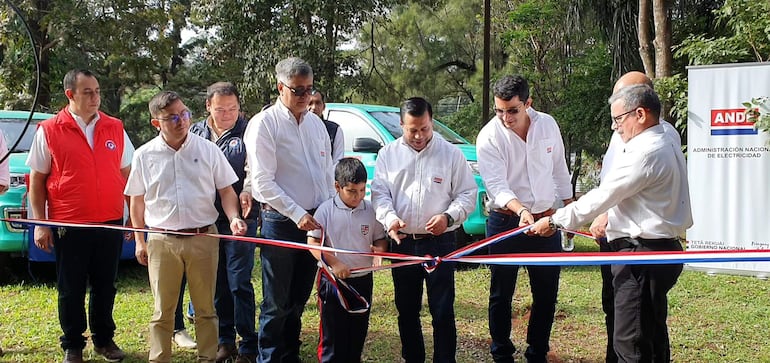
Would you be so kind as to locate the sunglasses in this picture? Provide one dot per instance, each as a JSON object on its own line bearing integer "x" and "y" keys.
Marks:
{"x": 184, "y": 116}
{"x": 301, "y": 91}
{"x": 511, "y": 111}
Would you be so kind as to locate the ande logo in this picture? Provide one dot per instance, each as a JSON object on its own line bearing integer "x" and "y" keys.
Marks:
{"x": 731, "y": 122}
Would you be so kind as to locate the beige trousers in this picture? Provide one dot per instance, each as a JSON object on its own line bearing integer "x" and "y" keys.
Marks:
{"x": 169, "y": 258}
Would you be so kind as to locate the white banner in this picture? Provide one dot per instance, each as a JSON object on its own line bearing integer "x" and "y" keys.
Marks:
{"x": 728, "y": 164}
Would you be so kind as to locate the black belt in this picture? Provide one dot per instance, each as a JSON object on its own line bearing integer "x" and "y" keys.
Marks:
{"x": 266, "y": 206}
{"x": 197, "y": 230}
{"x": 536, "y": 216}
{"x": 417, "y": 236}
{"x": 628, "y": 242}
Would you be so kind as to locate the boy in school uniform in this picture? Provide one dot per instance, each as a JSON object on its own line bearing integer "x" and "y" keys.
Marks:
{"x": 349, "y": 224}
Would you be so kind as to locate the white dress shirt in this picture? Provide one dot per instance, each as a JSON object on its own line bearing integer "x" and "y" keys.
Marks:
{"x": 352, "y": 229}
{"x": 291, "y": 165}
{"x": 645, "y": 192}
{"x": 415, "y": 186}
{"x": 179, "y": 186}
{"x": 533, "y": 171}
{"x": 39, "y": 157}
{"x": 616, "y": 146}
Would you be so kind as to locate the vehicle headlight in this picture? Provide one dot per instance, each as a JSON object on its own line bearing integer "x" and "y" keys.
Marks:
{"x": 17, "y": 180}
{"x": 474, "y": 167}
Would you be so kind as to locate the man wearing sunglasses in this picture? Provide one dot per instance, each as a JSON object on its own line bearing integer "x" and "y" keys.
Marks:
{"x": 289, "y": 153}
{"x": 521, "y": 160}
{"x": 79, "y": 161}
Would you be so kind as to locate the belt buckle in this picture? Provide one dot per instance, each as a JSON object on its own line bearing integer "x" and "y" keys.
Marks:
{"x": 416, "y": 236}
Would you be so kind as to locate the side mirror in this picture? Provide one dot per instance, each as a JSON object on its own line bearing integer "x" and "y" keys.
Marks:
{"x": 366, "y": 145}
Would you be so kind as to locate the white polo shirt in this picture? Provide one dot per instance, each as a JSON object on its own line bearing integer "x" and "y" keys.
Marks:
{"x": 353, "y": 229}
{"x": 179, "y": 186}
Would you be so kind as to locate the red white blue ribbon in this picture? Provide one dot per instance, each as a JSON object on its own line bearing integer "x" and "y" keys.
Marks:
{"x": 461, "y": 255}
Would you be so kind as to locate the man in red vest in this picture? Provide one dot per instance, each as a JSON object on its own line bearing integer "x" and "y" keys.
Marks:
{"x": 79, "y": 163}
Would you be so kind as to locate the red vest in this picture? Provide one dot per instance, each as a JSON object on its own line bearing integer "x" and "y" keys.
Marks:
{"x": 84, "y": 185}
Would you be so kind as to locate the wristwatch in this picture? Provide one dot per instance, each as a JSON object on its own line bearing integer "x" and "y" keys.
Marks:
{"x": 449, "y": 220}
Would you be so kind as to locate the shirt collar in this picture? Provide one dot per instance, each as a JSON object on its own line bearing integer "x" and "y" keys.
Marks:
{"x": 80, "y": 121}
{"x": 644, "y": 137}
{"x": 286, "y": 111}
{"x": 339, "y": 204}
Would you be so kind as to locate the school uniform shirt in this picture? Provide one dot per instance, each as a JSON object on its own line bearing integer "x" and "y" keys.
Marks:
{"x": 179, "y": 186}
{"x": 415, "y": 186}
{"x": 645, "y": 191}
{"x": 352, "y": 229}
{"x": 616, "y": 144}
{"x": 290, "y": 160}
{"x": 533, "y": 171}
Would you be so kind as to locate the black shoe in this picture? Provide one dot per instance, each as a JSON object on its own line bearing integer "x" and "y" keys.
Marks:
{"x": 73, "y": 356}
{"x": 110, "y": 352}
{"x": 226, "y": 353}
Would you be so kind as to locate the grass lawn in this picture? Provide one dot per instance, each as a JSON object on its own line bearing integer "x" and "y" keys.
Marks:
{"x": 711, "y": 318}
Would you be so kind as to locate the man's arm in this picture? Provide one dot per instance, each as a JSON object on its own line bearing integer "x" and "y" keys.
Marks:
{"x": 37, "y": 199}
{"x": 230, "y": 206}
{"x": 136, "y": 212}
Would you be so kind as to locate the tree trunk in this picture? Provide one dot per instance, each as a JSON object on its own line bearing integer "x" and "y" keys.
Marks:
{"x": 662, "y": 42}
{"x": 644, "y": 34}
{"x": 40, "y": 34}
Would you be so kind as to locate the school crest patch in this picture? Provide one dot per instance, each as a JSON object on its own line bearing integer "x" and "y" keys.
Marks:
{"x": 364, "y": 229}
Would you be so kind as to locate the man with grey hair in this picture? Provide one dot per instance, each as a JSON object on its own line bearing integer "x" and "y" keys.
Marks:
{"x": 172, "y": 187}
{"x": 292, "y": 170}
{"x": 647, "y": 196}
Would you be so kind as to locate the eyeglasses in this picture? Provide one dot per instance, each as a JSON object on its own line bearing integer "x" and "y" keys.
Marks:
{"x": 184, "y": 116}
{"x": 511, "y": 111}
{"x": 617, "y": 120}
{"x": 301, "y": 91}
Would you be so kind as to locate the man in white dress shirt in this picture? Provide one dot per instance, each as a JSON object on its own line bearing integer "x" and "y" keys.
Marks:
{"x": 423, "y": 189}
{"x": 599, "y": 224}
{"x": 647, "y": 196}
{"x": 292, "y": 171}
{"x": 521, "y": 160}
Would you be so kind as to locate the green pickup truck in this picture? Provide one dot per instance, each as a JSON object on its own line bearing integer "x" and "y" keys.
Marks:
{"x": 367, "y": 128}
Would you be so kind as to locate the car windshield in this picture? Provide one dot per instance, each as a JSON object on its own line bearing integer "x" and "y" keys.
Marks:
{"x": 392, "y": 122}
{"x": 12, "y": 128}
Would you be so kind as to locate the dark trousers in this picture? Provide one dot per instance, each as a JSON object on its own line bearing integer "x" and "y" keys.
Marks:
{"x": 408, "y": 287}
{"x": 178, "y": 316}
{"x": 641, "y": 304}
{"x": 287, "y": 279}
{"x": 343, "y": 334}
{"x": 86, "y": 256}
{"x": 234, "y": 298}
{"x": 608, "y": 303}
{"x": 544, "y": 284}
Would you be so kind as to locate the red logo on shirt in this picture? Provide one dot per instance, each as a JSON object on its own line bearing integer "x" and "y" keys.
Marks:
{"x": 438, "y": 180}
{"x": 549, "y": 149}
{"x": 110, "y": 145}
{"x": 323, "y": 154}
{"x": 364, "y": 229}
